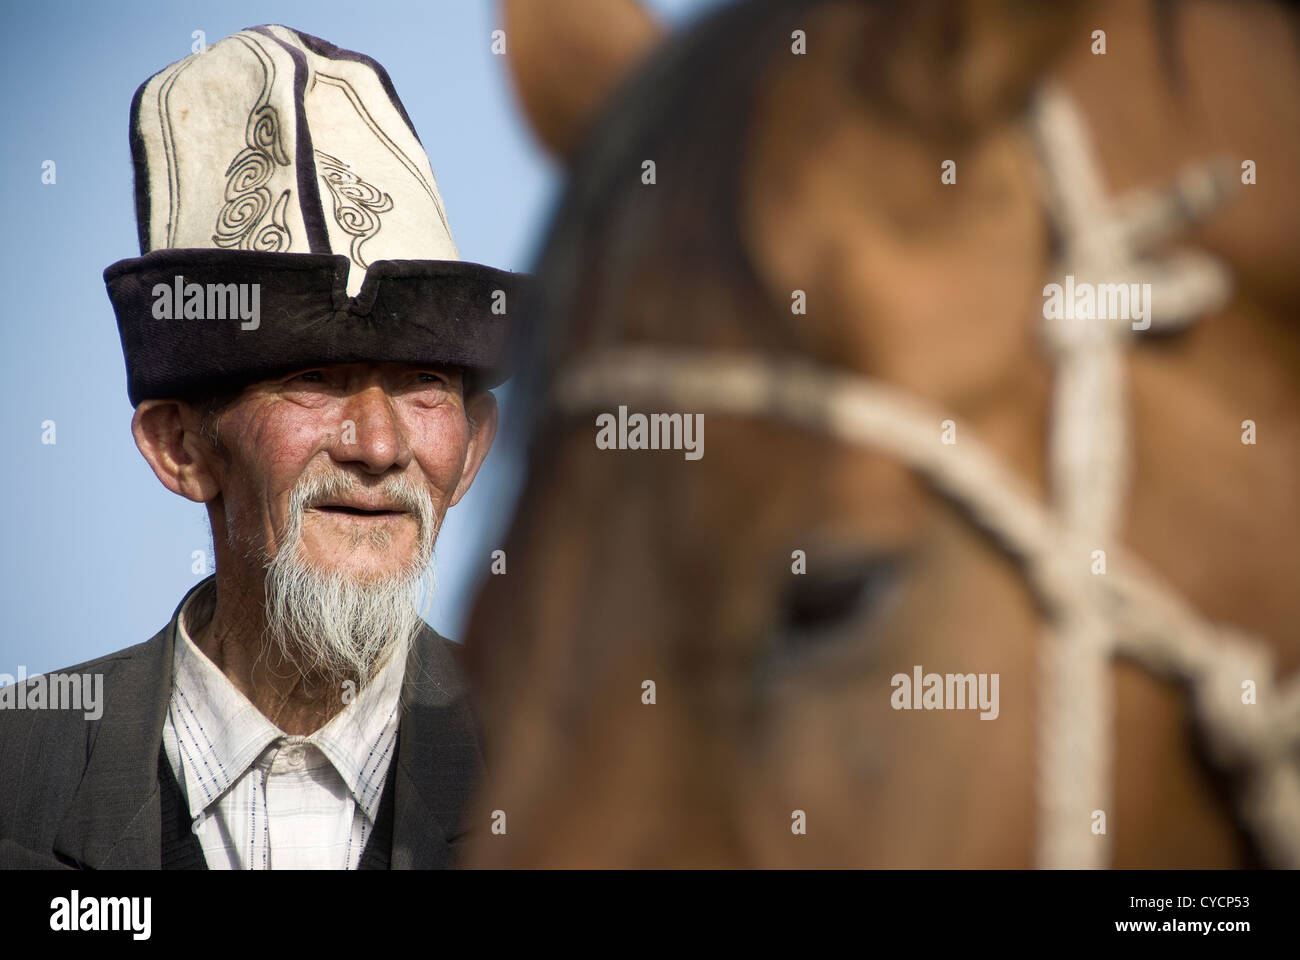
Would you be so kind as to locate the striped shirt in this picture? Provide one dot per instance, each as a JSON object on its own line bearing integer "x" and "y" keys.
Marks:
{"x": 261, "y": 799}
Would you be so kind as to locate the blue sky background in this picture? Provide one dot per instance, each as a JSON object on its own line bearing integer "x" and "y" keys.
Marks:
{"x": 95, "y": 553}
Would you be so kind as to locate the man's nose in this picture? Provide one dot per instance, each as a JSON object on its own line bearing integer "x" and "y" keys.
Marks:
{"x": 371, "y": 432}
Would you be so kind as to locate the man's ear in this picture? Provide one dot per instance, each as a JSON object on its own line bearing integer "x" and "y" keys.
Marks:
{"x": 567, "y": 55}
{"x": 167, "y": 433}
{"x": 481, "y": 412}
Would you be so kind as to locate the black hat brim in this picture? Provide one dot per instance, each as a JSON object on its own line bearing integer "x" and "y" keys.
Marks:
{"x": 439, "y": 312}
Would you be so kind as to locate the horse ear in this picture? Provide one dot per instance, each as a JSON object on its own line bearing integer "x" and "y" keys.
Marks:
{"x": 965, "y": 65}
{"x": 567, "y": 55}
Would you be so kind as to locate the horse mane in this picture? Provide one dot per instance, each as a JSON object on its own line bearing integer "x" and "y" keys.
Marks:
{"x": 626, "y": 261}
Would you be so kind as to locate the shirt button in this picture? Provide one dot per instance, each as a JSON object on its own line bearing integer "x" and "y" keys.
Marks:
{"x": 296, "y": 756}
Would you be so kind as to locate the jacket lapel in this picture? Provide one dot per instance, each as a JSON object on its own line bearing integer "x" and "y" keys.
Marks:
{"x": 438, "y": 759}
{"x": 114, "y": 819}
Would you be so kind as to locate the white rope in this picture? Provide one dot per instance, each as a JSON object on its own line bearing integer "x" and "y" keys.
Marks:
{"x": 1091, "y": 617}
{"x": 1088, "y": 454}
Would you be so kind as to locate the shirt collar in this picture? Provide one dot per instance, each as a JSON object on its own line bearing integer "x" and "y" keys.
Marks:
{"x": 221, "y": 734}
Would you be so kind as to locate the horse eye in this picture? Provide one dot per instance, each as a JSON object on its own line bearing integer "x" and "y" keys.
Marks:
{"x": 836, "y": 600}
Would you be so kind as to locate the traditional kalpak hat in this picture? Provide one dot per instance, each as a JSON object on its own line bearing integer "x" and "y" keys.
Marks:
{"x": 288, "y": 217}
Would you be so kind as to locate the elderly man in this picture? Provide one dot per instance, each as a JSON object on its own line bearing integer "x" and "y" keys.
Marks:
{"x": 309, "y": 359}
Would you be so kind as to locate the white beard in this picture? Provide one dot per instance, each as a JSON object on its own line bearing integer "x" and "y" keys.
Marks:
{"x": 331, "y": 626}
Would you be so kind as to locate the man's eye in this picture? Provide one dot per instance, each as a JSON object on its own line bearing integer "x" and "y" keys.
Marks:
{"x": 311, "y": 376}
{"x": 429, "y": 377}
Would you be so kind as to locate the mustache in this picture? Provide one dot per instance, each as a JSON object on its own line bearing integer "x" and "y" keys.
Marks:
{"x": 321, "y": 488}
{"x": 400, "y": 491}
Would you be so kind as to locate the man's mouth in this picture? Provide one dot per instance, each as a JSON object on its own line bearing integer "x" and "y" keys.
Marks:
{"x": 356, "y": 510}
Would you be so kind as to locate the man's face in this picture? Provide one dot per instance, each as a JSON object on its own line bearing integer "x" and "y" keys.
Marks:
{"x": 374, "y": 434}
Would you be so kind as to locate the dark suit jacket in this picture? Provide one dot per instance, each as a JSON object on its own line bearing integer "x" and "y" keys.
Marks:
{"x": 85, "y": 793}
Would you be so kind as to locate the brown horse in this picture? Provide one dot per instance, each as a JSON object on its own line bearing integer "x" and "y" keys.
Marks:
{"x": 710, "y": 661}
